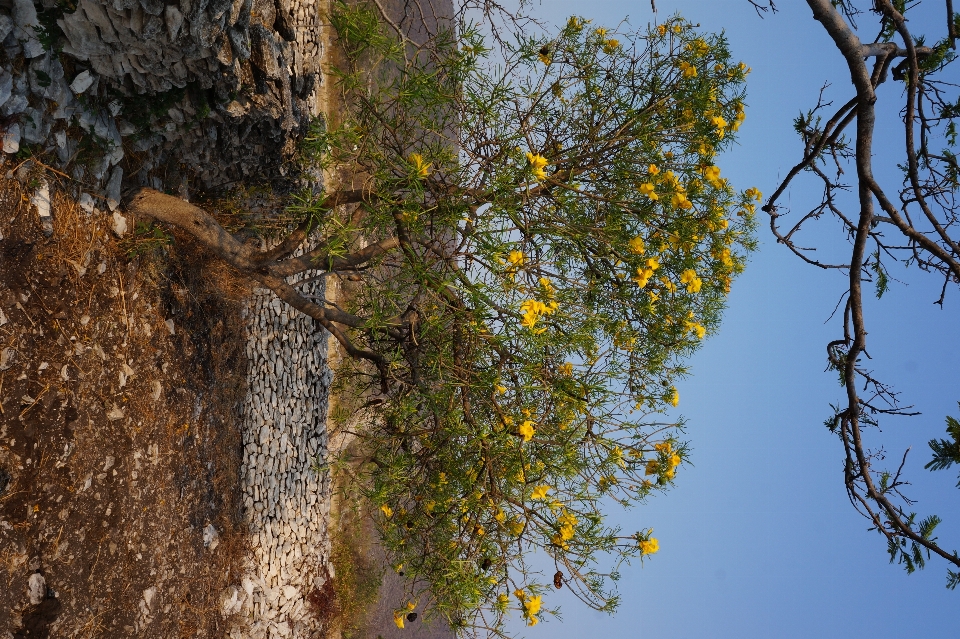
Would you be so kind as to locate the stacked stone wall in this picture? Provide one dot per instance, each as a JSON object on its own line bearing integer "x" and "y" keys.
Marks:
{"x": 182, "y": 95}
{"x": 285, "y": 483}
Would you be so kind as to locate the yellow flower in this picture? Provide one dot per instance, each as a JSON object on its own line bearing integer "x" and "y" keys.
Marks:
{"x": 698, "y": 329}
{"x": 652, "y": 467}
{"x": 566, "y": 369}
{"x": 689, "y": 277}
{"x": 575, "y": 23}
{"x": 653, "y": 169}
{"x": 499, "y": 515}
{"x": 532, "y": 310}
{"x": 544, "y": 57}
{"x": 649, "y": 190}
{"x": 674, "y": 459}
{"x": 688, "y": 70}
{"x": 501, "y": 389}
{"x": 720, "y": 123}
{"x": 637, "y": 245}
{"x": 611, "y": 45}
{"x": 411, "y": 605}
{"x": 398, "y": 619}
{"x": 515, "y": 258}
{"x": 677, "y": 28}
{"x": 680, "y": 201}
{"x": 653, "y": 263}
{"x": 532, "y": 605}
{"x": 664, "y": 447}
{"x": 698, "y": 47}
{"x": 649, "y": 547}
{"x": 421, "y": 166}
{"x": 537, "y": 165}
{"x": 662, "y": 30}
{"x": 387, "y": 511}
{"x": 540, "y": 492}
{"x": 616, "y": 455}
{"x": 667, "y": 284}
{"x": 712, "y": 173}
{"x": 515, "y": 526}
{"x": 643, "y": 276}
{"x": 754, "y": 193}
{"x": 601, "y": 32}
{"x": 675, "y": 397}
{"x": 526, "y": 430}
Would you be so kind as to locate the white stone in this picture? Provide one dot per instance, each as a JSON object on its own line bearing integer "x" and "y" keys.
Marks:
{"x": 11, "y": 138}
{"x": 41, "y": 200}
{"x": 82, "y": 82}
{"x": 211, "y": 538}
{"x": 36, "y": 588}
{"x": 119, "y": 223}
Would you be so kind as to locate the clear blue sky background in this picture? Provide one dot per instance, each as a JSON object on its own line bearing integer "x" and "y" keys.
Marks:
{"x": 758, "y": 539}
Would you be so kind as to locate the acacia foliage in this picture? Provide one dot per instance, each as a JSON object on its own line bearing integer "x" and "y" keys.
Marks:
{"x": 565, "y": 241}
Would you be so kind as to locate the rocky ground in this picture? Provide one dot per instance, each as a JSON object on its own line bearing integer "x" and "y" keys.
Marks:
{"x": 121, "y": 380}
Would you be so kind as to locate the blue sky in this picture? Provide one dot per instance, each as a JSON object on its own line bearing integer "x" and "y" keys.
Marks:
{"x": 758, "y": 539}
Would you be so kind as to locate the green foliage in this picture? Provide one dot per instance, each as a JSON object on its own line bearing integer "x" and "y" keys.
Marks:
{"x": 883, "y": 280}
{"x": 946, "y": 452}
{"x": 909, "y": 553}
{"x": 565, "y": 243}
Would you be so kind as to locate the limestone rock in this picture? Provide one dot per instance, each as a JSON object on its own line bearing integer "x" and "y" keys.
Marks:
{"x": 82, "y": 82}
{"x": 36, "y": 588}
{"x": 11, "y": 138}
{"x": 6, "y": 85}
{"x": 41, "y": 201}
{"x": 113, "y": 196}
{"x": 25, "y": 21}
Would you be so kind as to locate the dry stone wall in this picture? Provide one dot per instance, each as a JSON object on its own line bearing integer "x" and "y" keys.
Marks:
{"x": 157, "y": 93}
{"x": 286, "y": 487}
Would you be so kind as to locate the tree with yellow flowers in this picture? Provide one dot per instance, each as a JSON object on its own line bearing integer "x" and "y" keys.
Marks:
{"x": 535, "y": 242}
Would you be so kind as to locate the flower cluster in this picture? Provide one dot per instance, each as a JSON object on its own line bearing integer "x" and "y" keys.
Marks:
{"x": 566, "y": 522}
{"x": 533, "y": 310}
{"x": 529, "y": 605}
{"x": 538, "y": 164}
{"x": 667, "y": 460}
{"x": 644, "y": 273}
{"x": 689, "y": 277}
